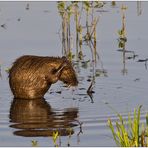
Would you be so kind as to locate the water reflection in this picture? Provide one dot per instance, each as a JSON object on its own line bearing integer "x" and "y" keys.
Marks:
{"x": 123, "y": 39}
{"x": 0, "y": 72}
{"x": 33, "y": 118}
{"x": 139, "y": 8}
{"x": 122, "y": 43}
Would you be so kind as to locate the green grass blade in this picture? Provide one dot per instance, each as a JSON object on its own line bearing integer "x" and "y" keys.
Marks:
{"x": 113, "y": 132}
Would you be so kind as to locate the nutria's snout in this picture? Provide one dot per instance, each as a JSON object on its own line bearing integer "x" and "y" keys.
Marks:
{"x": 31, "y": 76}
{"x": 66, "y": 73}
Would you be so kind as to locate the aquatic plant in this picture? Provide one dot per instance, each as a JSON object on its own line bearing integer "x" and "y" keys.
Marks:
{"x": 122, "y": 33}
{"x": 90, "y": 90}
{"x": 34, "y": 143}
{"x": 65, "y": 11}
{"x": 128, "y": 133}
{"x": 69, "y": 130}
{"x": 55, "y": 136}
{"x": 84, "y": 34}
{"x": 113, "y": 3}
{"x": 7, "y": 70}
{"x": 122, "y": 39}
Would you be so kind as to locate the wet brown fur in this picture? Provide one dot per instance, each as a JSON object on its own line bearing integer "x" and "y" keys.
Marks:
{"x": 31, "y": 76}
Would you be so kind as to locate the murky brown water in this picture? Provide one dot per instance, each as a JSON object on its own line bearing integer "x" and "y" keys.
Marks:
{"x": 123, "y": 87}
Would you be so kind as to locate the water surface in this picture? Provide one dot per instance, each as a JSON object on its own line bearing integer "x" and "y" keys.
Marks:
{"x": 35, "y": 31}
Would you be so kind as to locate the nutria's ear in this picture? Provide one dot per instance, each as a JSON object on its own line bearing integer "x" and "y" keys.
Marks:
{"x": 61, "y": 67}
{"x": 58, "y": 71}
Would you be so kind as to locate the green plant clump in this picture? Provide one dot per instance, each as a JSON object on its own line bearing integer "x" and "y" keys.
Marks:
{"x": 128, "y": 133}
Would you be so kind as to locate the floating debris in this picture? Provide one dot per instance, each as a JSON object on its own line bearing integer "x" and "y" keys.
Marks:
{"x": 82, "y": 88}
{"x": 85, "y": 96}
{"x": 81, "y": 94}
{"x": 132, "y": 57}
{"x": 4, "y": 26}
{"x": 100, "y": 72}
{"x": 85, "y": 64}
{"x": 137, "y": 79}
{"x": 119, "y": 87}
{"x": 102, "y": 11}
{"x": 59, "y": 92}
{"x": 19, "y": 19}
{"x": 106, "y": 103}
{"x": 143, "y": 60}
{"x": 27, "y": 7}
{"x": 89, "y": 80}
{"x": 46, "y": 11}
{"x": 128, "y": 51}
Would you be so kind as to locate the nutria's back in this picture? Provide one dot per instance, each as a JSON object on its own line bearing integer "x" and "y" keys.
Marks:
{"x": 32, "y": 76}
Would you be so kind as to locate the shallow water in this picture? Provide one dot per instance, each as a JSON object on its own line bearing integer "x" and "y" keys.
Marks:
{"x": 35, "y": 31}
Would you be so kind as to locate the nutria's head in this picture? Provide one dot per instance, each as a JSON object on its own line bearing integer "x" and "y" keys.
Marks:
{"x": 68, "y": 75}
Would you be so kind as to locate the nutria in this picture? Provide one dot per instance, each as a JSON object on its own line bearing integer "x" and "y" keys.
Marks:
{"x": 31, "y": 76}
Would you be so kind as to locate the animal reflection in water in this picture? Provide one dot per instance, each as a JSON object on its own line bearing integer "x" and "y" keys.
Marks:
{"x": 35, "y": 118}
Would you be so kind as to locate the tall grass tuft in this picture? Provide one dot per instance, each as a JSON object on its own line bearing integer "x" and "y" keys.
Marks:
{"x": 127, "y": 133}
